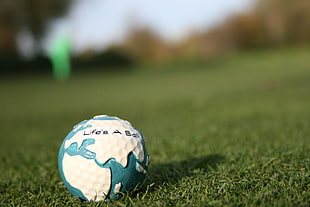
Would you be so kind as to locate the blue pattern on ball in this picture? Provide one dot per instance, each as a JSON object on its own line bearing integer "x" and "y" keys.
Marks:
{"x": 105, "y": 117}
{"x": 76, "y": 192}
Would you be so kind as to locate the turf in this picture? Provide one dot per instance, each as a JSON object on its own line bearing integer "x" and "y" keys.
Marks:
{"x": 233, "y": 131}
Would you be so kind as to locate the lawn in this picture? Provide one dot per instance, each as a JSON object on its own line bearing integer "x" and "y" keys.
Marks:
{"x": 232, "y": 131}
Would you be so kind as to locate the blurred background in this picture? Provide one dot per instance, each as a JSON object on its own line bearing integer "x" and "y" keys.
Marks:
{"x": 116, "y": 33}
{"x": 219, "y": 88}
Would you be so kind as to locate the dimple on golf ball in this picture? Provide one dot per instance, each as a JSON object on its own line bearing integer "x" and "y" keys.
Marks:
{"x": 102, "y": 158}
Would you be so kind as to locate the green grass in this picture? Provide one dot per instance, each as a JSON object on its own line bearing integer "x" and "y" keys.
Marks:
{"x": 233, "y": 131}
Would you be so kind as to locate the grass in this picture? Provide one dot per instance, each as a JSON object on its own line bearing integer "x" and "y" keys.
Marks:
{"x": 233, "y": 131}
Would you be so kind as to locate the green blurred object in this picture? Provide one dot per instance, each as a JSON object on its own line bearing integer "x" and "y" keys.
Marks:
{"x": 60, "y": 58}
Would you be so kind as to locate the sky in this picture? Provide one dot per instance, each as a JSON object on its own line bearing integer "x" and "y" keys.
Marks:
{"x": 97, "y": 24}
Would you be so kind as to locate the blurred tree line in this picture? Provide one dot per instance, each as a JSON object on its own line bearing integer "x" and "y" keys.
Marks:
{"x": 272, "y": 23}
{"x": 30, "y": 16}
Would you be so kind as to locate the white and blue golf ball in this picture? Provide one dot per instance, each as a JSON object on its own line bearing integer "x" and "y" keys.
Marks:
{"x": 102, "y": 158}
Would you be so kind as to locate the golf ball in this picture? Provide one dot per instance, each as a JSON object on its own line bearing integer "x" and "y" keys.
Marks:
{"x": 102, "y": 158}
